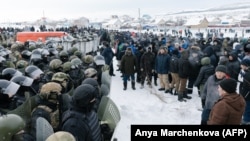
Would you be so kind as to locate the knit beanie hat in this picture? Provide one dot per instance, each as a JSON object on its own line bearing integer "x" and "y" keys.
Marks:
{"x": 229, "y": 85}
{"x": 245, "y": 62}
{"x": 221, "y": 68}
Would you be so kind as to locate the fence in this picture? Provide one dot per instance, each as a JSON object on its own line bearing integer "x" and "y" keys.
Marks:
{"x": 82, "y": 45}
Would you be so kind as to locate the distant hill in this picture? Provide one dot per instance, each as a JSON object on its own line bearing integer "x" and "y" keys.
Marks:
{"x": 228, "y": 8}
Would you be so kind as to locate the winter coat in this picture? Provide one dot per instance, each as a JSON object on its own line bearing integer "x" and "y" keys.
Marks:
{"x": 194, "y": 59}
{"x": 147, "y": 62}
{"x": 245, "y": 89}
{"x": 108, "y": 55}
{"x": 233, "y": 67}
{"x": 184, "y": 65}
{"x": 162, "y": 63}
{"x": 210, "y": 92}
{"x": 174, "y": 68}
{"x": 83, "y": 126}
{"x": 206, "y": 70}
{"x": 209, "y": 52}
{"x": 128, "y": 64}
{"x": 228, "y": 110}
{"x": 138, "y": 56}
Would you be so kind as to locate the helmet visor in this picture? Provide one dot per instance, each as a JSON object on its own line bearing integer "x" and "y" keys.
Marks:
{"x": 36, "y": 73}
{"x": 11, "y": 88}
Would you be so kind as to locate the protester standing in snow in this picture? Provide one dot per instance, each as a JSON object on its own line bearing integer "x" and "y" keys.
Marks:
{"x": 162, "y": 63}
{"x": 245, "y": 89}
{"x": 147, "y": 64}
{"x": 128, "y": 68}
{"x": 210, "y": 93}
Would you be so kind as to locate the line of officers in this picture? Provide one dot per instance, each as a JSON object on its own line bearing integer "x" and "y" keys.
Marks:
{"x": 25, "y": 68}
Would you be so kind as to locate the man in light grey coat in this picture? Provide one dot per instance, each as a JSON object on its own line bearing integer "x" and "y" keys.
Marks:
{"x": 210, "y": 93}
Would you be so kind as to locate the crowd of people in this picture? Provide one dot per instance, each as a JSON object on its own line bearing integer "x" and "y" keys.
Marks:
{"x": 64, "y": 86}
{"x": 182, "y": 63}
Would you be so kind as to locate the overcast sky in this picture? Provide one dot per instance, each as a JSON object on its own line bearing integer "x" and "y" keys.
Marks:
{"x": 30, "y": 10}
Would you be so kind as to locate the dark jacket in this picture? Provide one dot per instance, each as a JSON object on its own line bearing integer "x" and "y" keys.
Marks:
{"x": 245, "y": 88}
{"x": 83, "y": 126}
{"x": 233, "y": 67}
{"x": 184, "y": 65}
{"x": 174, "y": 67}
{"x": 228, "y": 110}
{"x": 206, "y": 70}
{"x": 108, "y": 55}
{"x": 128, "y": 64}
{"x": 147, "y": 62}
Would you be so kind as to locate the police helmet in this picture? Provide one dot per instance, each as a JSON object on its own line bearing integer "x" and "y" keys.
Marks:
{"x": 22, "y": 80}
{"x": 8, "y": 87}
{"x": 45, "y": 52}
{"x": 33, "y": 71}
{"x": 53, "y": 51}
{"x": 55, "y": 64}
{"x": 88, "y": 59}
{"x": 51, "y": 90}
{"x": 60, "y": 76}
{"x": 83, "y": 95}
{"x": 21, "y": 64}
{"x": 76, "y": 63}
{"x": 14, "y": 47}
{"x": 32, "y": 47}
{"x": 72, "y": 57}
{"x": 99, "y": 60}
{"x": 72, "y": 50}
{"x": 10, "y": 125}
{"x": 36, "y": 55}
{"x": 78, "y": 54}
{"x": 61, "y": 136}
{"x": 26, "y": 54}
{"x": 63, "y": 54}
{"x": 8, "y": 73}
{"x": 67, "y": 66}
{"x": 90, "y": 72}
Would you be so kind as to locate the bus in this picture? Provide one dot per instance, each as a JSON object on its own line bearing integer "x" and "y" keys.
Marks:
{"x": 39, "y": 36}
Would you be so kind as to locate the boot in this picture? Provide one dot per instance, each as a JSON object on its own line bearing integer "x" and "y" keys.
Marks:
{"x": 142, "y": 85}
{"x": 180, "y": 97}
{"x": 133, "y": 85}
{"x": 189, "y": 90}
{"x": 171, "y": 91}
{"x": 124, "y": 86}
{"x": 155, "y": 82}
{"x": 175, "y": 93}
{"x": 186, "y": 96}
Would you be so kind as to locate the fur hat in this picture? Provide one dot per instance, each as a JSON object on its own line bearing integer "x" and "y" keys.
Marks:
{"x": 221, "y": 68}
{"x": 229, "y": 85}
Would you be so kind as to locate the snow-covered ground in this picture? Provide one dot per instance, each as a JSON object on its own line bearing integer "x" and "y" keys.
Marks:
{"x": 142, "y": 106}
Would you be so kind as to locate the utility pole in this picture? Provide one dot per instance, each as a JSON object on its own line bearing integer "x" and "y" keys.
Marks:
{"x": 139, "y": 12}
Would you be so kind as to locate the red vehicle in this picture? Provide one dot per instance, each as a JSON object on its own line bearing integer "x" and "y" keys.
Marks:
{"x": 38, "y": 36}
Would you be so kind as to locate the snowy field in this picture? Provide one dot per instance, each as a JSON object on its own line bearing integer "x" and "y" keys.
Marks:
{"x": 143, "y": 106}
